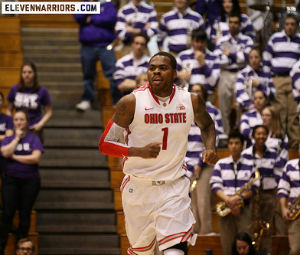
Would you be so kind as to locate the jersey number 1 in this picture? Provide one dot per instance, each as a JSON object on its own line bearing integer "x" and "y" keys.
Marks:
{"x": 165, "y": 138}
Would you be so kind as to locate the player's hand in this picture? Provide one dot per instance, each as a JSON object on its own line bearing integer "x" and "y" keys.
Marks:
{"x": 209, "y": 157}
{"x": 151, "y": 150}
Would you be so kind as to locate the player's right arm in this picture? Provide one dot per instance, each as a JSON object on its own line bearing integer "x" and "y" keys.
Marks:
{"x": 112, "y": 139}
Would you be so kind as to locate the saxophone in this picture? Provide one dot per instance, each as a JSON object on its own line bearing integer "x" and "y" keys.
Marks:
{"x": 294, "y": 208}
{"x": 223, "y": 210}
{"x": 263, "y": 226}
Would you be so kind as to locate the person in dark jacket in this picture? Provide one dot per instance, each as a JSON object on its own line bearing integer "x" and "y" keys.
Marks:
{"x": 96, "y": 36}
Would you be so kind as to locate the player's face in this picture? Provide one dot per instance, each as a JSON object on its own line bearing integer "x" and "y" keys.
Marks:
{"x": 234, "y": 25}
{"x": 290, "y": 26}
{"x": 259, "y": 100}
{"x": 242, "y": 247}
{"x": 161, "y": 75}
{"x": 254, "y": 59}
{"x": 199, "y": 45}
{"x": 260, "y": 136}
{"x": 227, "y": 5}
{"x": 27, "y": 75}
{"x": 235, "y": 146}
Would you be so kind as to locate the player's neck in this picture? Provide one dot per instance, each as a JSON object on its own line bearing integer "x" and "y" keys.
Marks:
{"x": 164, "y": 93}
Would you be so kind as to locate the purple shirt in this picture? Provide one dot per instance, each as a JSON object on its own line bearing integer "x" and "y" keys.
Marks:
{"x": 32, "y": 101}
{"x": 25, "y": 146}
{"x": 6, "y": 123}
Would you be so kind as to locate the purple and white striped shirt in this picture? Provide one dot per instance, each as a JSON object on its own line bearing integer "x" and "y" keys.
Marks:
{"x": 195, "y": 144}
{"x": 268, "y": 166}
{"x": 295, "y": 75}
{"x": 281, "y": 53}
{"x": 289, "y": 184}
{"x": 207, "y": 75}
{"x": 177, "y": 27}
{"x": 281, "y": 146}
{"x": 138, "y": 17}
{"x": 129, "y": 68}
{"x": 230, "y": 176}
{"x": 244, "y": 90}
{"x": 223, "y": 28}
{"x": 239, "y": 47}
{"x": 249, "y": 119}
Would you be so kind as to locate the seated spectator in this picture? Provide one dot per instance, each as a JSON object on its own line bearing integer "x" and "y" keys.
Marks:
{"x": 177, "y": 25}
{"x": 6, "y": 128}
{"x": 132, "y": 65}
{"x": 252, "y": 78}
{"x": 141, "y": 80}
{"x": 25, "y": 247}
{"x": 29, "y": 95}
{"x": 220, "y": 27}
{"x": 198, "y": 65}
{"x": 242, "y": 244}
{"x": 134, "y": 18}
{"x": 199, "y": 171}
{"x": 96, "y": 35}
{"x": 21, "y": 178}
{"x": 230, "y": 175}
{"x": 253, "y": 117}
{"x": 232, "y": 50}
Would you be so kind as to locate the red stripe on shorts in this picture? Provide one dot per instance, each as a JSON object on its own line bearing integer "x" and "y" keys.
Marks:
{"x": 143, "y": 249}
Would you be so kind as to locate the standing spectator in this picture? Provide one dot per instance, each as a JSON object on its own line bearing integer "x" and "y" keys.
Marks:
{"x": 253, "y": 117}
{"x": 134, "y": 18}
{"x": 6, "y": 128}
{"x": 21, "y": 178}
{"x": 199, "y": 65}
{"x": 96, "y": 35}
{"x": 250, "y": 79}
{"x": 25, "y": 247}
{"x": 230, "y": 175}
{"x": 288, "y": 191}
{"x": 201, "y": 194}
{"x": 279, "y": 142}
{"x": 295, "y": 75}
{"x": 29, "y": 95}
{"x": 220, "y": 27}
{"x": 210, "y": 9}
{"x": 233, "y": 50}
{"x": 132, "y": 65}
{"x": 281, "y": 53}
{"x": 266, "y": 160}
{"x": 177, "y": 25}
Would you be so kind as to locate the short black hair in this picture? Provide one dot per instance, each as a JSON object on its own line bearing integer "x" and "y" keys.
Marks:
{"x": 199, "y": 34}
{"x": 235, "y": 14}
{"x": 236, "y": 135}
{"x": 140, "y": 35}
{"x": 259, "y": 126}
{"x": 168, "y": 55}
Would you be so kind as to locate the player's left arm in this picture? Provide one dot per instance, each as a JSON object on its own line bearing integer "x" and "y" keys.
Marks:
{"x": 208, "y": 131}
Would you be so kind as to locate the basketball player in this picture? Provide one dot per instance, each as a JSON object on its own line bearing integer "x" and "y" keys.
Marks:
{"x": 156, "y": 119}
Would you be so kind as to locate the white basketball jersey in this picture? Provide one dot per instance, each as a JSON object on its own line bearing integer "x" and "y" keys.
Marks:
{"x": 157, "y": 121}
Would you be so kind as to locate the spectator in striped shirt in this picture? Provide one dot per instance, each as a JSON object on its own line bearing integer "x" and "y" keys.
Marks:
{"x": 220, "y": 26}
{"x": 134, "y": 18}
{"x": 279, "y": 142}
{"x": 281, "y": 53}
{"x": 201, "y": 195}
{"x": 132, "y": 65}
{"x": 266, "y": 160}
{"x": 295, "y": 75}
{"x": 288, "y": 190}
{"x": 250, "y": 79}
{"x": 253, "y": 117}
{"x": 233, "y": 50}
{"x": 199, "y": 65}
{"x": 177, "y": 25}
{"x": 229, "y": 175}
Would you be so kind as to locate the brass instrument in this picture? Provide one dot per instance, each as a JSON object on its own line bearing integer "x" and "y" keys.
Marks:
{"x": 223, "y": 210}
{"x": 294, "y": 208}
{"x": 264, "y": 226}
